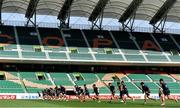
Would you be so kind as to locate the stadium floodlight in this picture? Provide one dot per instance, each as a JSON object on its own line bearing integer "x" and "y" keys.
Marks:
{"x": 98, "y": 10}
{"x": 31, "y": 8}
{"x": 1, "y": 3}
{"x": 64, "y": 13}
{"x": 162, "y": 12}
{"x": 132, "y": 8}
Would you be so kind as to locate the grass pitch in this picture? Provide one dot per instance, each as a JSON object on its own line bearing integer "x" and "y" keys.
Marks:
{"x": 77, "y": 104}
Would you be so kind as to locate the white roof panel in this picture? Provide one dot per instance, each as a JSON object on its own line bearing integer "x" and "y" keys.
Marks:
{"x": 114, "y": 8}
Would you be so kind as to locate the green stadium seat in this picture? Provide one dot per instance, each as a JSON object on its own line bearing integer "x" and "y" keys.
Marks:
{"x": 153, "y": 87}
{"x": 9, "y": 54}
{"x": 11, "y": 90}
{"x": 133, "y": 52}
{"x": 173, "y": 86}
{"x": 53, "y": 55}
{"x": 33, "y": 90}
{"x": 76, "y": 56}
{"x": 89, "y": 78}
{"x": 61, "y": 79}
{"x": 134, "y": 57}
{"x": 10, "y": 47}
{"x": 28, "y": 75}
{"x": 36, "y": 55}
{"x": 44, "y": 82}
{"x": 175, "y": 58}
{"x": 101, "y": 75}
{"x": 27, "y": 48}
{"x": 111, "y": 57}
{"x": 54, "y": 49}
{"x": 131, "y": 88}
{"x": 156, "y": 77}
{"x": 81, "y": 50}
{"x": 138, "y": 77}
{"x": 7, "y": 86}
{"x": 157, "y": 58}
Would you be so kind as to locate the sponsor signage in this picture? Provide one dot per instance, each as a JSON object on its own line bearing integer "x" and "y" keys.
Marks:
{"x": 8, "y": 97}
{"x": 35, "y": 96}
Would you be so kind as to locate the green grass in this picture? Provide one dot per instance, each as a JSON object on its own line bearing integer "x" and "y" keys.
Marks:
{"x": 77, "y": 104}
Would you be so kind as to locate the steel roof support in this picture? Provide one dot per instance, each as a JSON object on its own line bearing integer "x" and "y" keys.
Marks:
{"x": 65, "y": 13}
{"x": 159, "y": 19}
{"x": 31, "y": 11}
{"x": 1, "y": 3}
{"x": 128, "y": 17}
{"x": 97, "y": 14}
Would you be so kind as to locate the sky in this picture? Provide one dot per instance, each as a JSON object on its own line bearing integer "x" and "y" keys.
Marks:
{"x": 45, "y": 20}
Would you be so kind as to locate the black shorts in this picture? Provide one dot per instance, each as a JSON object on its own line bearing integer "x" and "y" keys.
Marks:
{"x": 78, "y": 93}
{"x": 112, "y": 93}
{"x": 147, "y": 94}
{"x": 125, "y": 92}
{"x": 96, "y": 93}
{"x": 63, "y": 92}
{"x": 120, "y": 94}
{"x": 166, "y": 92}
{"x": 86, "y": 93}
{"x": 58, "y": 94}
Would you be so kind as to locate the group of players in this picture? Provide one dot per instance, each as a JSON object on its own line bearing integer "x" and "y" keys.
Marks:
{"x": 52, "y": 94}
{"x": 83, "y": 92}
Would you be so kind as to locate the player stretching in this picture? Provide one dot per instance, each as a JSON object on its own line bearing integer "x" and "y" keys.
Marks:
{"x": 86, "y": 92}
{"x": 112, "y": 90}
{"x": 146, "y": 91}
{"x": 165, "y": 92}
{"x": 96, "y": 91}
{"x": 125, "y": 92}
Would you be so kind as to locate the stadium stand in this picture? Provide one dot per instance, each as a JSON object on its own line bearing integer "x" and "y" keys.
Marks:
{"x": 60, "y": 78}
{"x": 86, "y": 45}
{"x": 138, "y": 77}
{"x": 33, "y": 82}
{"x": 8, "y": 40}
{"x": 74, "y": 44}
{"x": 28, "y": 38}
{"x": 156, "y": 77}
{"x": 10, "y": 86}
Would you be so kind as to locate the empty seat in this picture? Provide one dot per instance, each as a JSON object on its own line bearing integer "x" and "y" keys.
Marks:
{"x": 138, "y": 77}
{"x": 76, "y": 56}
{"x": 35, "y": 55}
{"x": 9, "y": 54}
{"x": 135, "y": 58}
{"x": 112, "y": 57}
{"x": 53, "y": 55}
{"x": 156, "y": 77}
{"x": 157, "y": 58}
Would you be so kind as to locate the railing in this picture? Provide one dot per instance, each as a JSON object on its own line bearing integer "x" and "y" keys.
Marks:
{"x": 86, "y": 26}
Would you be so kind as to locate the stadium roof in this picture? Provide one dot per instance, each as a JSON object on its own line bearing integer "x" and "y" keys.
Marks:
{"x": 83, "y": 8}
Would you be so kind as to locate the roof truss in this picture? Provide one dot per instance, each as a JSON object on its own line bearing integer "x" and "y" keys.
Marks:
{"x": 99, "y": 8}
{"x": 132, "y": 8}
{"x": 64, "y": 13}
{"x": 1, "y": 3}
{"x": 31, "y": 8}
{"x": 163, "y": 11}
{"x": 158, "y": 21}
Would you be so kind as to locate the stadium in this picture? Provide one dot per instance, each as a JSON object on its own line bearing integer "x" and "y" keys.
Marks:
{"x": 35, "y": 56}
